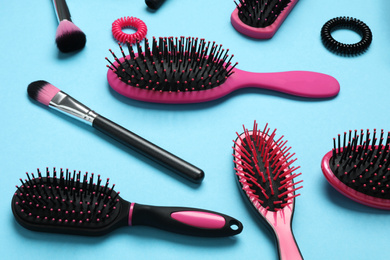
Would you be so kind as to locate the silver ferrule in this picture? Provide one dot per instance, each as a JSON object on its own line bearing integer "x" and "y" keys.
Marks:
{"x": 65, "y": 103}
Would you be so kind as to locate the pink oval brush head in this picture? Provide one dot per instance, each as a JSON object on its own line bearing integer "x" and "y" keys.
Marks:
{"x": 260, "y": 19}
{"x": 264, "y": 173}
{"x": 359, "y": 167}
{"x": 191, "y": 70}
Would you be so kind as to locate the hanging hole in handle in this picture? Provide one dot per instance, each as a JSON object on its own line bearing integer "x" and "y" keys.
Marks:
{"x": 235, "y": 225}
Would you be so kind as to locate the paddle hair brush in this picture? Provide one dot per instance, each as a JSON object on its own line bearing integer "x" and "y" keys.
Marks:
{"x": 358, "y": 167}
{"x": 72, "y": 203}
{"x": 266, "y": 178}
{"x": 69, "y": 37}
{"x": 191, "y": 70}
{"x": 49, "y": 95}
{"x": 260, "y": 19}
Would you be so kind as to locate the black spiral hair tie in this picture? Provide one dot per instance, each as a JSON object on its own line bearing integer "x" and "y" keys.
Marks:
{"x": 346, "y": 23}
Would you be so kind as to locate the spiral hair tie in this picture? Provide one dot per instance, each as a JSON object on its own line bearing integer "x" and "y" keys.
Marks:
{"x": 132, "y": 22}
{"x": 346, "y": 23}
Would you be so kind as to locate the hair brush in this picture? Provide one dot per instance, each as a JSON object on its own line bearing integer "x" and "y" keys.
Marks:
{"x": 260, "y": 19}
{"x": 70, "y": 203}
{"x": 359, "y": 167}
{"x": 69, "y": 37}
{"x": 49, "y": 95}
{"x": 265, "y": 176}
{"x": 191, "y": 70}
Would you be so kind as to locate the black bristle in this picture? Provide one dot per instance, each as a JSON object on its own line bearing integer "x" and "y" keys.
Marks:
{"x": 260, "y": 13}
{"x": 173, "y": 65}
{"x": 35, "y": 87}
{"x": 57, "y": 203}
{"x": 71, "y": 41}
{"x": 366, "y": 164}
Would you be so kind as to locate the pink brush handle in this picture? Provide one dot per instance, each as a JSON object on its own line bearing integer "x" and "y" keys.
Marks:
{"x": 299, "y": 83}
{"x": 280, "y": 222}
{"x": 183, "y": 220}
{"x": 288, "y": 249}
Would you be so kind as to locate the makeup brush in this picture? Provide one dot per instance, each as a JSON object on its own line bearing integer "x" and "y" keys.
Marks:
{"x": 69, "y": 37}
{"x": 49, "y": 95}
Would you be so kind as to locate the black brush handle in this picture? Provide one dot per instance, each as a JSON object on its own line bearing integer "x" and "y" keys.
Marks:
{"x": 154, "y": 4}
{"x": 187, "y": 221}
{"x": 62, "y": 10}
{"x": 150, "y": 150}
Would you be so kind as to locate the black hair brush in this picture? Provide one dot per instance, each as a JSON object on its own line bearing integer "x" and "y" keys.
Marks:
{"x": 69, "y": 202}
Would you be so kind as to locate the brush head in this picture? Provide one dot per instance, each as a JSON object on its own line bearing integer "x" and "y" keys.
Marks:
{"x": 69, "y": 37}
{"x": 263, "y": 170}
{"x": 260, "y": 19}
{"x": 173, "y": 65}
{"x": 359, "y": 167}
{"x": 42, "y": 91}
{"x": 260, "y": 14}
{"x": 67, "y": 202}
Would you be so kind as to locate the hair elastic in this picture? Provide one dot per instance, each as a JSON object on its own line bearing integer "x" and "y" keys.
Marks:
{"x": 346, "y": 23}
{"x": 133, "y": 22}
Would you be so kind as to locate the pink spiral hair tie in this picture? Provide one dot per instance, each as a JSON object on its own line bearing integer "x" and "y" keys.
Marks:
{"x": 133, "y": 22}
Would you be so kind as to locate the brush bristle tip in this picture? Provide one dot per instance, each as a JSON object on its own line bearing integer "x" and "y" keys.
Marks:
{"x": 69, "y": 37}
{"x": 42, "y": 91}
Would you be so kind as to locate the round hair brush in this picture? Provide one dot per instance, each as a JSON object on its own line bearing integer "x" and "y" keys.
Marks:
{"x": 192, "y": 70}
{"x": 69, "y": 37}
{"x": 264, "y": 173}
{"x": 359, "y": 167}
{"x": 260, "y": 19}
{"x": 73, "y": 203}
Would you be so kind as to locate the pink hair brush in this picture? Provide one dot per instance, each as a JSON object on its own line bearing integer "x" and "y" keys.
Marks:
{"x": 260, "y": 19}
{"x": 191, "y": 70}
{"x": 359, "y": 167}
{"x": 264, "y": 173}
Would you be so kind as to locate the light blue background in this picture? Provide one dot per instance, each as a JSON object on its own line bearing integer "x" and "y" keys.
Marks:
{"x": 326, "y": 224}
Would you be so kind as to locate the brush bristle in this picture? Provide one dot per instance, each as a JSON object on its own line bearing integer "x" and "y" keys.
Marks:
{"x": 362, "y": 162}
{"x": 260, "y": 13}
{"x": 174, "y": 65}
{"x": 42, "y": 91}
{"x": 69, "y": 37}
{"x": 65, "y": 199}
{"x": 263, "y": 168}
